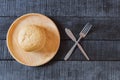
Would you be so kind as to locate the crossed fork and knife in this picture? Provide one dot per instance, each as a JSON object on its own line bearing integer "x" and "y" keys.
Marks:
{"x": 82, "y": 34}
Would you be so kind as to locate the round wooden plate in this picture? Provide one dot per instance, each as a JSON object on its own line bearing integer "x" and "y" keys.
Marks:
{"x": 33, "y": 58}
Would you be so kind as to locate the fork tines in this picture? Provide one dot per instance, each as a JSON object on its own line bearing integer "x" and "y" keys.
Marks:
{"x": 86, "y": 29}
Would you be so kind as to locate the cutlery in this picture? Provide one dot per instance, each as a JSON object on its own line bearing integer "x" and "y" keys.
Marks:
{"x": 82, "y": 34}
{"x": 70, "y": 34}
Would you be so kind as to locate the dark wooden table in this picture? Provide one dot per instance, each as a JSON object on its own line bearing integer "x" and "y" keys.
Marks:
{"x": 102, "y": 44}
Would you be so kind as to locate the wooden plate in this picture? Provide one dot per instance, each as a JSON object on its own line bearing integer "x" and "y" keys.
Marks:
{"x": 33, "y": 58}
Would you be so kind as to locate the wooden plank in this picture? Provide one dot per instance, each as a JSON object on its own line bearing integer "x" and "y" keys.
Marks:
{"x": 103, "y": 28}
{"x": 94, "y": 8}
{"x": 61, "y": 70}
{"x": 96, "y": 50}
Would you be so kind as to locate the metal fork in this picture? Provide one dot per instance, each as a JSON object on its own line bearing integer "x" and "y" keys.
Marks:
{"x": 82, "y": 34}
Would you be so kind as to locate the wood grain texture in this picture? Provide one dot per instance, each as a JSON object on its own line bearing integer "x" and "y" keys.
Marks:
{"x": 103, "y": 28}
{"x": 94, "y": 8}
{"x": 59, "y": 70}
{"x": 96, "y": 50}
{"x": 102, "y": 43}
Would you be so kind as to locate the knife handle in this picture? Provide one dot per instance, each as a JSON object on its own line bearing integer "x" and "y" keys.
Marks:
{"x": 72, "y": 49}
{"x": 84, "y": 53}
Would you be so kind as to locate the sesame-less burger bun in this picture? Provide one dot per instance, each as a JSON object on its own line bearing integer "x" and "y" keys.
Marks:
{"x": 31, "y": 38}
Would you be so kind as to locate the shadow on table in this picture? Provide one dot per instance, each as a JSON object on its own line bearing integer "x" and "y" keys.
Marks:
{"x": 58, "y": 56}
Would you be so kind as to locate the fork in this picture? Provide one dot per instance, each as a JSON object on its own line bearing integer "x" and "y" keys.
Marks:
{"x": 82, "y": 34}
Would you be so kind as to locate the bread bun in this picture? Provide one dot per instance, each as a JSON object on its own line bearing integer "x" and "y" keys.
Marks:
{"x": 31, "y": 38}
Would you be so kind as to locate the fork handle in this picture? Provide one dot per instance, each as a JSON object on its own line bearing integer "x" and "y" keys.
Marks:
{"x": 72, "y": 49}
